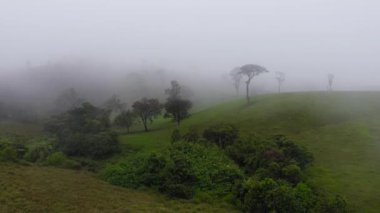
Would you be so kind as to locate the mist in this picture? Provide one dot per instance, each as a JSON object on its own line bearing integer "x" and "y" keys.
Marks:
{"x": 98, "y": 47}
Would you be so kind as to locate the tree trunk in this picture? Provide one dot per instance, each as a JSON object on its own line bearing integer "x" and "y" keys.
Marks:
{"x": 279, "y": 87}
{"x": 145, "y": 125}
{"x": 247, "y": 90}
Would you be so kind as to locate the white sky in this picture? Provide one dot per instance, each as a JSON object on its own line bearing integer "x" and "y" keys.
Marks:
{"x": 304, "y": 38}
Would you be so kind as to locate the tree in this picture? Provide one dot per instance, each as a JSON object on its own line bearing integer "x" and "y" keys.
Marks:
{"x": 125, "y": 119}
{"x": 114, "y": 104}
{"x": 222, "y": 134}
{"x": 250, "y": 71}
{"x": 68, "y": 99}
{"x": 280, "y": 77}
{"x": 83, "y": 131}
{"x": 236, "y": 78}
{"x": 176, "y": 107}
{"x": 330, "y": 78}
{"x": 147, "y": 110}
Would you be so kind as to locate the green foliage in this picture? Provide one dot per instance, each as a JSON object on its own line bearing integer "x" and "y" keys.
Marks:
{"x": 8, "y": 154}
{"x": 58, "y": 159}
{"x": 222, "y": 134}
{"x": 276, "y": 157}
{"x": 84, "y": 131}
{"x": 176, "y": 136}
{"x": 186, "y": 168}
{"x": 125, "y": 119}
{"x": 147, "y": 110}
{"x": 192, "y": 135}
{"x": 38, "y": 152}
{"x": 269, "y": 195}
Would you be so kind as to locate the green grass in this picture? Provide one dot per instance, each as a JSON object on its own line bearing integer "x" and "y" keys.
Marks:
{"x": 341, "y": 129}
{"x": 47, "y": 189}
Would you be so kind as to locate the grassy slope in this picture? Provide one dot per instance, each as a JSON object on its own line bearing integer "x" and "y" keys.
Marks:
{"x": 44, "y": 189}
{"x": 341, "y": 129}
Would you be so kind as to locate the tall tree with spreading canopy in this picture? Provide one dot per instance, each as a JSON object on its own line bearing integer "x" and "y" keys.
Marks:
{"x": 147, "y": 110}
{"x": 176, "y": 107}
{"x": 280, "y": 77}
{"x": 250, "y": 71}
{"x": 236, "y": 79}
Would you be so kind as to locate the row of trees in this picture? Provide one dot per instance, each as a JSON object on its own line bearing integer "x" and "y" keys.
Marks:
{"x": 249, "y": 71}
{"x": 146, "y": 110}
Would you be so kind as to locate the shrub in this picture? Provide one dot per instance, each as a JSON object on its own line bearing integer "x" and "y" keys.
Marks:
{"x": 221, "y": 134}
{"x": 58, "y": 159}
{"x": 179, "y": 172}
{"x": 8, "y": 154}
{"x": 84, "y": 132}
{"x": 292, "y": 173}
{"x": 38, "y": 153}
{"x": 269, "y": 195}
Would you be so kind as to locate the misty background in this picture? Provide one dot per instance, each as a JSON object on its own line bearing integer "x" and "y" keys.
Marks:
{"x": 135, "y": 48}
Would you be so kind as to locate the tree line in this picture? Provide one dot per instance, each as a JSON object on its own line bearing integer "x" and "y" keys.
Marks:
{"x": 250, "y": 71}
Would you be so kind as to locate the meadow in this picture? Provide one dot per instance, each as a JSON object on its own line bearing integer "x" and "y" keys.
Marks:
{"x": 341, "y": 130}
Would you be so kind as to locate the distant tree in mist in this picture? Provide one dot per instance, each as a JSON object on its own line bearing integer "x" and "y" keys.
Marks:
{"x": 125, "y": 119}
{"x": 83, "y": 131}
{"x": 250, "y": 71}
{"x": 176, "y": 107}
{"x": 330, "y": 78}
{"x": 147, "y": 110}
{"x": 68, "y": 99}
{"x": 280, "y": 77}
{"x": 236, "y": 78}
{"x": 114, "y": 104}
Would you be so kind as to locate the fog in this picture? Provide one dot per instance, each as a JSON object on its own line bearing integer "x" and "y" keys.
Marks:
{"x": 95, "y": 45}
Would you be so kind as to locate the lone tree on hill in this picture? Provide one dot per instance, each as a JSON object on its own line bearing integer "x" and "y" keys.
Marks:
{"x": 147, "y": 110}
{"x": 330, "y": 78}
{"x": 280, "y": 77}
{"x": 236, "y": 79}
{"x": 250, "y": 71}
{"x": 176, "y": 107}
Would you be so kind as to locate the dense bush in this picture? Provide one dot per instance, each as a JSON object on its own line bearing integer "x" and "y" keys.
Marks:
{"x": 84, "y": 131}
{"x": 12, "y": 148}
{"x": 185, "y": 169}
{"x": 39, "y": 151}
{"x": 8, "y": 154}
{"x": 269, "y": 195}
{"x": 221, "y": 134}
{"x": 58, "y": 159}
{"x": 276, "y": 157}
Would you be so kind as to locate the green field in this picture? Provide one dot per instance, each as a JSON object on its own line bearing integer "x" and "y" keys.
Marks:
{"x": 341, "y": 129}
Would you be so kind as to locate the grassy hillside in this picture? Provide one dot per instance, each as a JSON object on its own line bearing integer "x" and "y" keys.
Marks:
{"x": 45, "y": 189}
{"x": 341, "y": 129}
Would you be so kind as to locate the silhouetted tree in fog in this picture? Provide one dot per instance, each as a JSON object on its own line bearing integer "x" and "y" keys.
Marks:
{"x": 68, "y": 99}
{"x": 250, "y": 71}
{"x": 176, "y": 107}
{"x": 114, "y": 104}
{"x": 147, "y": 110}
{"x": 236, "y": 78}
{"x": 125, "y": 119}
{"x": 330, "y": 78}
{"x": 280, "y": 77}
